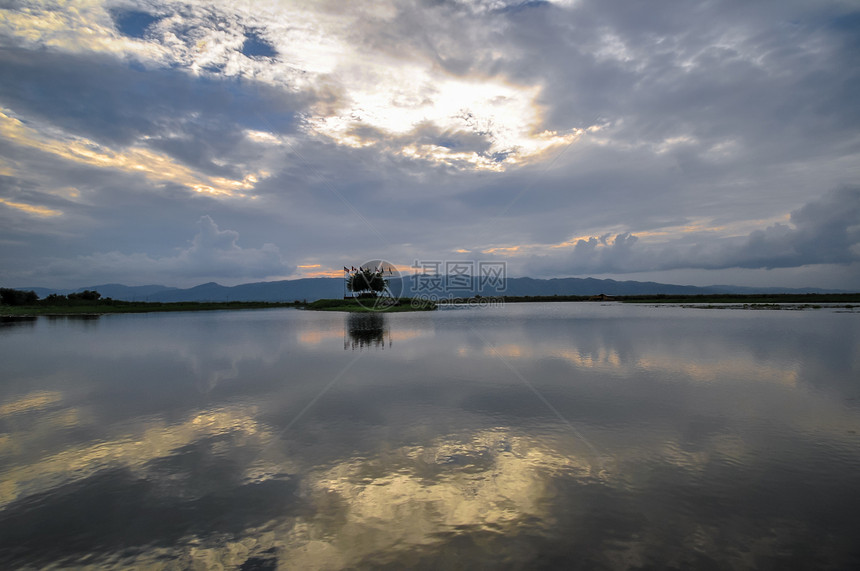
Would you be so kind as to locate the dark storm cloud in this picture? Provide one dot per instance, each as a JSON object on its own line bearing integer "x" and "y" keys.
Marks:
{"x": 825, "y": 231}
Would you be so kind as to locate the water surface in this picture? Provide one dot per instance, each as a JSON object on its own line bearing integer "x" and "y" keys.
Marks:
{"x": 575, "y": 435}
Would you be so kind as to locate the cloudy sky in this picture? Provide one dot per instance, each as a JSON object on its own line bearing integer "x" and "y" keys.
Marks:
{"x": 179, "y": 142}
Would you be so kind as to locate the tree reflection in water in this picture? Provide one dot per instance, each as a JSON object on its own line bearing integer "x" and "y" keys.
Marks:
{"x": 365, "y": 330}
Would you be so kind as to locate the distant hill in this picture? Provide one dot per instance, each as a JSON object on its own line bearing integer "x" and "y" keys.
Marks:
{"x": 311, "y": 289}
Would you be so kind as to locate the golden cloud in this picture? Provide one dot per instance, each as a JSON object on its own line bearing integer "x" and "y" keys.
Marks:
{"x": 156, "y": 167}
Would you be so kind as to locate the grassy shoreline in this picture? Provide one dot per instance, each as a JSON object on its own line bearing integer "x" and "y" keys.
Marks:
{"x": 102, "y": 307}
{"x": 810, "y": 298}
{"x": 113, "y": 306}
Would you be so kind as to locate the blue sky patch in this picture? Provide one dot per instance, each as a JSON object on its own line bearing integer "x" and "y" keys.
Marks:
{"x": 255, "y": 46}
{"x": 134, "y": 23}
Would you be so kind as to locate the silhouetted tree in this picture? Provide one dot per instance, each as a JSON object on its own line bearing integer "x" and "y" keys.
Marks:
{"x": 17, "y": 297}
{"x": 86, "y": 295}
{"x": 366, "y": 281}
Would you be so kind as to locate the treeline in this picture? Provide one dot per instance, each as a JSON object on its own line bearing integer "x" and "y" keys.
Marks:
{"x": 745, "y": 298}
{"x": 16, "y": 297}
{"x": 671, "y": 298}
{"x": 17, "y": 303}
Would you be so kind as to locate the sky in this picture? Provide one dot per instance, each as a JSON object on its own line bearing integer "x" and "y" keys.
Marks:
{"x": 182, "y": 142}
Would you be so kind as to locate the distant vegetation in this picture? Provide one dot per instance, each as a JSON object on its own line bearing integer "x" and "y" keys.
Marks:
{"x": 745, "y": 298}
{"x": 16, "y": 302}
{"x": 666, "y": 298}
{"x": 14, "y": 297}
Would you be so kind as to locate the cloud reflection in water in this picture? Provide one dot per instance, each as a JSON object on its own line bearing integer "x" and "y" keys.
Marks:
{"x": 726, "y": 440}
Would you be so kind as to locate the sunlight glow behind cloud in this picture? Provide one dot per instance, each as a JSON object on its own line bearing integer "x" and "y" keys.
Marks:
{"x": 478, "y": 122}
{"x": 155, "y": 166}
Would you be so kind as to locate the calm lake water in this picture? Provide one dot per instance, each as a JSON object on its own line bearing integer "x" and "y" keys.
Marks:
{"x": 534, "y": 436}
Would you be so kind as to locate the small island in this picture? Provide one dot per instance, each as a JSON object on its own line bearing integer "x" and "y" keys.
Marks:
{"x": 370, "y": 293}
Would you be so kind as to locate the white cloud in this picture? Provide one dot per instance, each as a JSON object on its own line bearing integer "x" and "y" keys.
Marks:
{"x": 393, "y": 93}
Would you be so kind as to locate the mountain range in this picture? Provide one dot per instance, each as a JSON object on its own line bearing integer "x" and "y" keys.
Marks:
{"x": 311, "y": 289}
